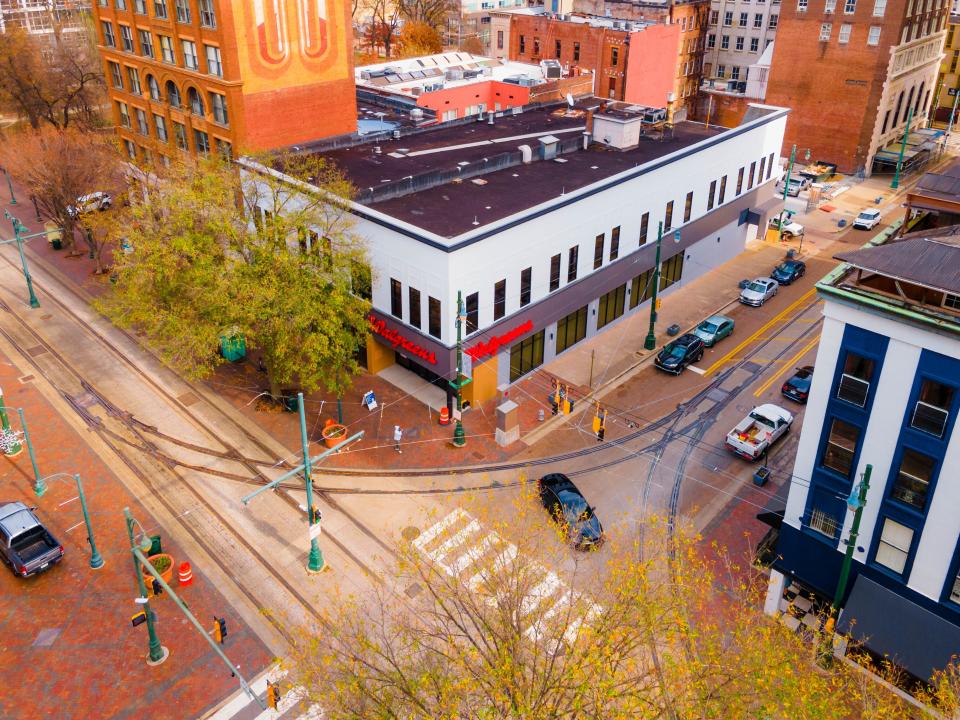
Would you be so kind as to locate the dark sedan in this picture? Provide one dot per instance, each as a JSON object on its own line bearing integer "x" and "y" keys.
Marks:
{"x": 681, "y": 352}
{"x": 797, "y": 388}
{"x": 569, "y": 509}
{"x": 786, "y": 272}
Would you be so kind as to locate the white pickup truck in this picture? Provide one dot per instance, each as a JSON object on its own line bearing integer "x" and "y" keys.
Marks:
{"x": 758, "y": 431}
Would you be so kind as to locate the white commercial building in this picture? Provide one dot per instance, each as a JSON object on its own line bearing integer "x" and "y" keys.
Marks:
{"x": 885, "y": 393}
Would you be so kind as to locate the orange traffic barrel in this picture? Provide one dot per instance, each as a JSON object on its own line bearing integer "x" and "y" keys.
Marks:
{"x": 444, "y": 416}
{"x": 186, "y": 574}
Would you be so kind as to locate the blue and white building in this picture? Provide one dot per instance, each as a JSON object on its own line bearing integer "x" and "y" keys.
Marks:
{"x": 886, "y": 392}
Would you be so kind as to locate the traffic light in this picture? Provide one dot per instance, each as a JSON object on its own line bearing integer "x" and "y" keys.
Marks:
{"x": 219, "y": 629}
{"x": 316, "y": 516}
{"x": 659, "y": 300}
{"x": 138, "y": 618}
{"x": 273, "y": 695}
{"x": 600, "y": 423}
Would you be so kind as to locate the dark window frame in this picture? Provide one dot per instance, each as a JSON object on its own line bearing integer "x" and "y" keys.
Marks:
{"x": 499, "y": 299}
{"x": 526, "y": 286}
{"x": 413, "y": 303}
{"x": 396, "y": 298}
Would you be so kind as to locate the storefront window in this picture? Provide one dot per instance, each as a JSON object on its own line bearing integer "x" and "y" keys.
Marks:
{"x": 641, "y": 288}
{"x": 571, "y": 329}
{"x": 611, "y": 306}
{"x": 526, "y": 355}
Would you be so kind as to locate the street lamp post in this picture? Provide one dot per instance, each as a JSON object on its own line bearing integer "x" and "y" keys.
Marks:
{"x": 39, "y": 487}
{"x": 96, "y": 560}
{"x": 18, "y": 239}
{"x": 786, "y": 187}
{"x": 158, "y": 653}
{"x": 459, "y": 438}
{"x": 315, "y": 562}
{"x": 903, "y": 149}
{"x": 13, "y": 199}
{"x": 651, "y": 341}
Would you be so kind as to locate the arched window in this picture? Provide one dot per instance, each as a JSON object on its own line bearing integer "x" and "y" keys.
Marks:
{"x": 173, "y": 94}
{"x": 896, "y": 113}
{"x": 916, "y": 105}
{"x": 906, "y": 110}
{"x": 154, "y": 87}
{"x": 196, "y": 102}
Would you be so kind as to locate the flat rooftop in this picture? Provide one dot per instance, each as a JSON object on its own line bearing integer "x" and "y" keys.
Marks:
{"x": 449, "y": 208}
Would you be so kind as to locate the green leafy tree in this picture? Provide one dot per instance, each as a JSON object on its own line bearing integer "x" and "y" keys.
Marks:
{"x": 215, "y": 251}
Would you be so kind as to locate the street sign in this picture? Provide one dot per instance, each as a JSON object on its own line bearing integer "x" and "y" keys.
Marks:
{"x": 370, "y": 400}
{"x": 315, "y": 530}
{"x": 467, "y": 364}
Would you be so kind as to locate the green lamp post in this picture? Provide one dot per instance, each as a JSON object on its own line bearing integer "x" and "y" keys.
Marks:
{"x": 96, "y": 559}
{"x": 18, "y": 238}
{"x": 459, "y": 437}
{"x": 315, "y": 562}
{"x": 13, "y": 198}
{"x": 157, "y": 652}
{"x": 903, "y": 149}
{"x": 786, "y": 186}
{"x": 651, "y": 340}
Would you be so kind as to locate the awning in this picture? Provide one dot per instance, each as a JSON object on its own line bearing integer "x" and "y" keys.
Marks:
{"x": 890, "y": 624}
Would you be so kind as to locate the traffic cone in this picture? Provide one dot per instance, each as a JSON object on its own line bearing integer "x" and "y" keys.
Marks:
{"x": 444, "y": 416}
{"x": 186, "y": 574}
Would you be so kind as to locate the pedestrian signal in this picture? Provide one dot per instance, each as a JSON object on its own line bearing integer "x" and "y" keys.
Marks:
{"x": 138, "y": 618}
{"x": 273, "y": 695}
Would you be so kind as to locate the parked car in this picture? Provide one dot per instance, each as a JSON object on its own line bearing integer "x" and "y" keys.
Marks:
{"x": 753, "y": 435}
{"x": 788, "y": 271}
{"x": 569, "y": 508}
{"x": 795, "y": 185}
{"x": 790, "y": 228}
{"x": 797, "y": 388}
{"x": 88, "y": 203}
{"x": 714, "y": 329}
{"x": 867, "y": 219}
{"x": 757, "y": 292}
{"x": 26, "y": 545}
{"x": 681, "y": 352}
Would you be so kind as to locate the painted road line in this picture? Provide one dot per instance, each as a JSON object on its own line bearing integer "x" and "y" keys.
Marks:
{"x": 787, "y": 365}
{"x": 698, "y": 371}
{"x": 438, "y": 554}
{"x": 770, "y": 323}
{"x": 434, "y": 530}
{"x": 472, "y": 555}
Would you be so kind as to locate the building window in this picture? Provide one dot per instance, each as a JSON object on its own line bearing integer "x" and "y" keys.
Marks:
{"x": 536, "y": 46}
{"x": 146, "y": 43}
{"x": 769, "y": 165}
{"x": 571, "y": 329}
{"x": 849, "y": 7}
{"x": 710, "y": 195}
{"x": 499, "y": 299}
{"x": 668, "y": 216}
{"x": 913, "y": 479}
{"x": 126, "y": 38}
{"x": 523, "y": 44}
{"x": 873, "y": 37}
{"x": 108, "y": 38}
{"x": 773, "y": 22}
{"x": 735, "y": 73}
{"x": 721, "y": 71}
{"x": 183, "y": 11}
{"x": 611, "y": 306}
{"x": 160, "y": 9}
{"x": 744, "y": 19}
{"x": 724, "y": 42}
{"x": 116, "y": 75}
{"x": 396, "y": 298}
{"x": 844, "y": 37}
{"x": 218, "y": 104}
{"x": 753, "y": 168}
{"x": 758, "y": 20}
{"x": 433, "y": 317}
{"x": 955, "y": 591}
{"x": 739, "y": 181}
{"x": 614, "y": 56}
{"x": 688, "y": 207}
{"x": 841, "y": 447}
{"x": 714, "y": 17}
{"x": 641, "y": 288}
{"x": 139, "y": 7}
{"x": 711, "y": 40}
{"x": 723, "y": 190}
{"x": 166, "y": 49}
{"x": 161, "y": 126}
{"x": 644, "y": 227}
{"x": 526, "y": 279}
{"x": 189, "y": 54}
{"x": 120, "y": 4}
{"x": 739, "y": 43}
{"x": 855, "y": 381}
{"x": 576, "y": 52}
{"x": 180, "y": 135}
{"x": 728, "y": 19}
{"x": 880, "y": 7}
{"x": 196, "y": 102}
{"x": 824, "y": 523}
{"x": 499, "y": 39}
{"x": 615, "y": 243}
{"x": 801, "y": 6}
{"x": 173, "y": 95}
{"x": 894, "y": 546}
{"x": 598, "y": 251}
{"x": 124, "y": 114}
{"x": 131, "y": 149}
{"x": 134, "y": 78}
{"x": 932, "y": 410}
{"x": 671, "y": 271}
{"x": 754, "y": 45}
{"x": 825, "y": 30}
{"x": 612, "y": 85}
{"x": 225, "y": 150}
{"x": 214, "y": 66}
{"x": 526, "y": 355}
{"x": 763, "y": 163}
{"x": 413, "y": 306}
{"x": 572, "y": 260}
{"x": 207, "y": 16}
{"x": 142, "y": 127}
{"x": 472, "y": 307}
{"x": 555, "y": 272}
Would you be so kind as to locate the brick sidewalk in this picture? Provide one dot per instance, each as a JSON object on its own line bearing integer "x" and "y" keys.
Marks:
{"x": 68, "y": 648}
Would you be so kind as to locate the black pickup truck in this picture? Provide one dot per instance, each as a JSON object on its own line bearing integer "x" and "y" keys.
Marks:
{"x": 27, "y": 546}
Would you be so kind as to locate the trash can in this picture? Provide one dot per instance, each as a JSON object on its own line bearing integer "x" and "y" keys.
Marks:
{"x": 155, "y": 547}
{"x": 761, "y": 476}
{"x": 233, "y": 346}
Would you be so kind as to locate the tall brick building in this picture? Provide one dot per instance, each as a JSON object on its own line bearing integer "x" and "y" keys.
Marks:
{"x": 204, "y": 75}
{"x": 852, "y": 70}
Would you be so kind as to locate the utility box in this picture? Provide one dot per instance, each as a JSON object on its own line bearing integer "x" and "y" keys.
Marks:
{"x": 508, "y": 423}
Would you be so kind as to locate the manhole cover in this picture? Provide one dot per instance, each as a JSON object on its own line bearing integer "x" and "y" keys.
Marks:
{"x": 750, "y": 367}
{"x": 410, "y": 533}
{"x": 46, "y": 637}
{"x": 717, "y": 395}
{"x": 36, "y": 350}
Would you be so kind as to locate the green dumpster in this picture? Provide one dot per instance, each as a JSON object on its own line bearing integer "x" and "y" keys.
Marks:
{"x": 233, "y": 347}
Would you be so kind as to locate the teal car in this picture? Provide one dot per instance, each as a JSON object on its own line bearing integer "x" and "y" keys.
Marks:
{"x": 714, "y": 329}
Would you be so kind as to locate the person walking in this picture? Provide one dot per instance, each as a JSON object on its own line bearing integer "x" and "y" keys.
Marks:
{"x": 397, "y": 437}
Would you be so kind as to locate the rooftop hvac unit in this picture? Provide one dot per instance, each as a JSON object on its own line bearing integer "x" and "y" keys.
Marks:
{"x": 416, "y": 114}
{"x": 654, "y": 115}
{"x": 551, "y": 69}
{"x": 454, "y": 74}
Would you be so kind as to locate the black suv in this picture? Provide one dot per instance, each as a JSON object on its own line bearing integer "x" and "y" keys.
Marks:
{"x": 569, "y": 509}
{"x": 681, "y": 352}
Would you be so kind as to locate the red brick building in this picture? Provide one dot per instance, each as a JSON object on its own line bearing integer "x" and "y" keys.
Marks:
{"x": 656, "y": 59}
{"x": 201, "y": 75}
{"x": 853, "y": 71}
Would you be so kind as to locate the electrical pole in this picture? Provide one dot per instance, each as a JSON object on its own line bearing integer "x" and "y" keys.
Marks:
{"x": 903, "y": 148}
{"x": 651, "y": 341}
{"x": 786, "y": 187}
{"x": 315, "y": 563}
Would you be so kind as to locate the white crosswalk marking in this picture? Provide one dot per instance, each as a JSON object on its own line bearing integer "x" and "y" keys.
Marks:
{"x": 457, "y": 542}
